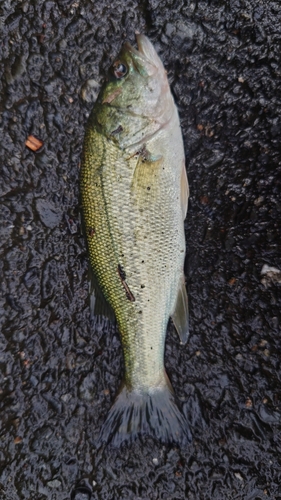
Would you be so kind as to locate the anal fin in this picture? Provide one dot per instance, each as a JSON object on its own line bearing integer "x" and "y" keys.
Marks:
{"x": 98, "y": 304}
{"x": 180, "y": 315}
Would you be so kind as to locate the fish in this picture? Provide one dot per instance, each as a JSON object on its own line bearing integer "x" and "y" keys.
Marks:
{"x": 134, "y": 193}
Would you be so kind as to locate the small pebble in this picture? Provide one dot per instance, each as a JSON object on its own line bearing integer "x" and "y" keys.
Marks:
{"x": 238, "y": 475}
{"x": 248, "y": 403}
{"x": 232, "y": 281}
{"x": 54, "y": 484}
{"x": 89, "y": 91}
{"x": 66, "y": 397}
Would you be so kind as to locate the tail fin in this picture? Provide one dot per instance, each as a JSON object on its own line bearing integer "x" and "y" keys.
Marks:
{"x": 154, "y": 413}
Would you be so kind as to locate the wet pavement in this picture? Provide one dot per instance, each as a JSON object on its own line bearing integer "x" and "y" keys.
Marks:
{"x": 58, "y": 373}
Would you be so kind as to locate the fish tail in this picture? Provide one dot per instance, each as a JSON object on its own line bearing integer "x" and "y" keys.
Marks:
{"x": 152, "y": 413}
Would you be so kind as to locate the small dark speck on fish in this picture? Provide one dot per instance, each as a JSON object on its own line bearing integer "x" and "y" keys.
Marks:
{"x": 118, "y": 130}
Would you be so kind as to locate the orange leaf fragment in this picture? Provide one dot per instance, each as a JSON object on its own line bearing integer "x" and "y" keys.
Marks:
{"x": 204, "y": 200}
{"x": 33, "y": 143}
{"x": 232, "y": 281}
{"x": 248, "y": 403}
{"x": 18, "y": 440}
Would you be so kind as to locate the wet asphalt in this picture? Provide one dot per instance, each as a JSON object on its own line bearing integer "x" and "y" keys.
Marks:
{"x": 59, "y": 372}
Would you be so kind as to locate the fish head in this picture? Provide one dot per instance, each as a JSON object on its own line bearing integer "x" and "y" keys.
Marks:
{"x": 135, "y": 101}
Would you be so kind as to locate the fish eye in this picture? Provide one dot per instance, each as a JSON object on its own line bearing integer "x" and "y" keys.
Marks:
{"x": 119, "y": 69}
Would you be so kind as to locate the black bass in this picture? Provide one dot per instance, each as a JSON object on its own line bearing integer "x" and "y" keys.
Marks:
{"x": 134, "y": 195}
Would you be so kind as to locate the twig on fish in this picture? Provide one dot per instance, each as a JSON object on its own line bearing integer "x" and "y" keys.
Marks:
{"x": 122, "y": 276}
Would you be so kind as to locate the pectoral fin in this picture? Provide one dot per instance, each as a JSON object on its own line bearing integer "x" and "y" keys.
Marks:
{"x": 98, "y": 304}
{"x": 180, "y": 315}
{"x": 147, "y": 176}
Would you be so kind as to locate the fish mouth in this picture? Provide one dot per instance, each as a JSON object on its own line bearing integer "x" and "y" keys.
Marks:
{"x": 141, "y": 40}
{"x": 132, "y": 50}
{"x": 145, "y": 51}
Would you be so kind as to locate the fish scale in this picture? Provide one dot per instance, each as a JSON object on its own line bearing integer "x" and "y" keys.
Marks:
{"x": 120, "y": 244}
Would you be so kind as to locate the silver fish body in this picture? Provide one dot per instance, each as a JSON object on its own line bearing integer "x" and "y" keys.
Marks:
{"x": 134, "y": 194}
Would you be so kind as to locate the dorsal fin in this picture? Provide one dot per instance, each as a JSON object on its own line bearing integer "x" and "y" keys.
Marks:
{"x": 184, "y": 191}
